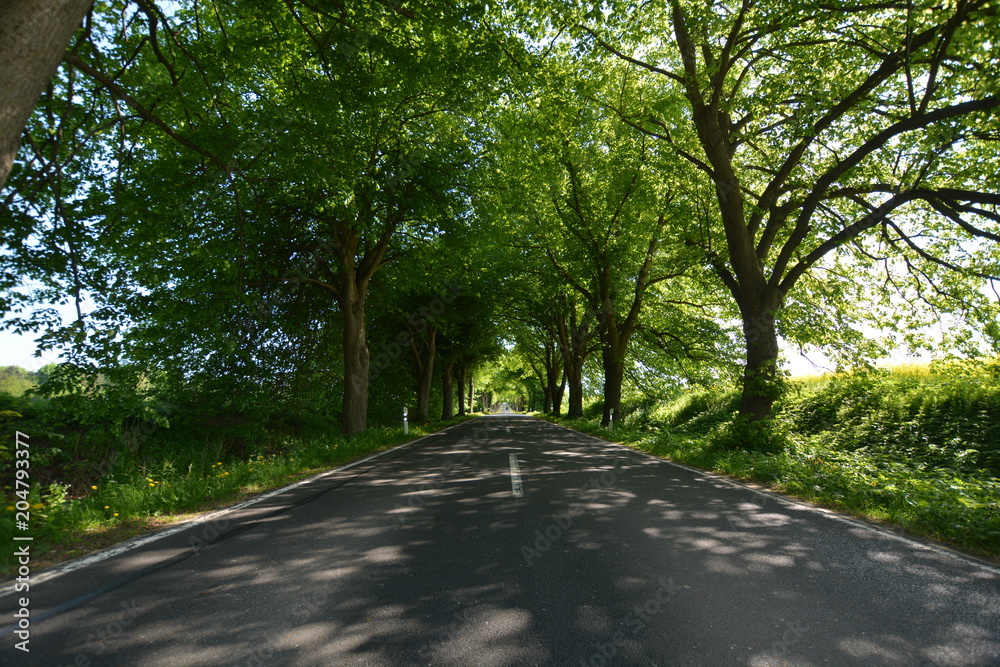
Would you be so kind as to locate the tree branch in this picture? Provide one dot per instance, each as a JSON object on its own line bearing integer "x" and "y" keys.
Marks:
{"x": 635, "y": 61}
{"x": 74, "y": 60}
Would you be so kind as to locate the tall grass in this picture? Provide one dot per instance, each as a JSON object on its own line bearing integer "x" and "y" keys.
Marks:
{"x": 942, "y": 415}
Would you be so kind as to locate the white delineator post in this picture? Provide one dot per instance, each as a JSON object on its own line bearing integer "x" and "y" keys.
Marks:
{"x": 406, "y": 425}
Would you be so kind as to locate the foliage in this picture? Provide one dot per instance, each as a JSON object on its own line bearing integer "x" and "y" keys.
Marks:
{"x": 819, "y": 158}
{"x": 15, "y": 381}
{"x": 947, "y": 414}
{"x": 249, "y": 206}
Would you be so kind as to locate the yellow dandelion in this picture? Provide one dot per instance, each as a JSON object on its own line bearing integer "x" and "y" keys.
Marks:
{"x": 10, "y": 507}
{"x": 94, "y": 487}
{"x": 149, "y": 479}
{"x": 219, "y": 463}
{"x": 225, "y": 473}
{"x": 152, "y": 484}
{"x": 38, "y": 506}
{"x": 107, "y": 507}
{"x": 116, "y": 513}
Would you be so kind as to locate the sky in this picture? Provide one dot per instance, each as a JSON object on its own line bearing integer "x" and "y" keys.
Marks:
{"x": 18, "y": 350}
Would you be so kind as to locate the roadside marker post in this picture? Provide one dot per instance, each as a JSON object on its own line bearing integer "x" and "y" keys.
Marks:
{"x": 406, "y": 425}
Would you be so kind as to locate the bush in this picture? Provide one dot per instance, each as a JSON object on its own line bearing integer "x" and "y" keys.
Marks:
{"x": 697, "y": 411}
{"x": 738, "y": 433}
{"x": 941, "y": 415}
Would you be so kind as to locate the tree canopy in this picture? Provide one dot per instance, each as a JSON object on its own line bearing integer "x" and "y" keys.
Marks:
{"x": 337, "y": 209}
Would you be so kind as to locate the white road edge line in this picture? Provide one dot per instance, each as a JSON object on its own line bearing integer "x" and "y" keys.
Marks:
{"x": 791, "y": 502}
{"x": 137, "y": 542}
{"x": 515, "y": 477}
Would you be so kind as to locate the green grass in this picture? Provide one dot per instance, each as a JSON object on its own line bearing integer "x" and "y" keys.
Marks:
{"x": 916, "y": 448}
{"x": 132, "y": 501}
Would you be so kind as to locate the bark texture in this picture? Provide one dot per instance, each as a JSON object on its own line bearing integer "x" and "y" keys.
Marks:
{"x": 423, "y": 356}
{"x": 356, "y": 359}
{"x": 447, "y": 392}
{"x": 33, "y": 37}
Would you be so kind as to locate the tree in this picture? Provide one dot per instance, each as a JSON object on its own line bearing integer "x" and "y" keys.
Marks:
{"x": 352, "y": 142}
{"x": 822, "y": 130}
{"x": 597, "y": 204}
{"x": 578, "y": 337}
{"x": 540, "y": 351}
{"x": 417, "y": 297}
{"x": 539, "y": 312}
{"x": 472, "y": 331}
{"x": 33, "y": 37}
{"x": 394, "y": 169}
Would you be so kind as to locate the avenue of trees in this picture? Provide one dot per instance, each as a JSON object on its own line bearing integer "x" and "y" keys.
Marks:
{"x": 288, "y": 213}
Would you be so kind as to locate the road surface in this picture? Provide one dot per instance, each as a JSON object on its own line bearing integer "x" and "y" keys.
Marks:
{"x": 511, "y": 541}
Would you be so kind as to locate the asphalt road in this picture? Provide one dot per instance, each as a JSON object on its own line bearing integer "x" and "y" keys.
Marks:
{"x": 437, "y": 553}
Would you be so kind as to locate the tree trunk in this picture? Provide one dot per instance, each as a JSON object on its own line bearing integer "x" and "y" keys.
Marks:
{"x": 575, "y": 357}
{"x": 447, "y": 384}
{"x": 546, "y": 399}
{"x": 34, "y": 35}
{"x": 425, "y": 380}
{"x": 356, "y": 358}
{"x": 760, "y": 385}
{"x": 557, "y": 397}
{"x": 553, "y": 370}
{"x": 614, "y": 372}
{"x": 574, "y": 373}
{"x": 472, "y": 393}
{"x": 460, "y": 381}
{"x": 574, "y": 341}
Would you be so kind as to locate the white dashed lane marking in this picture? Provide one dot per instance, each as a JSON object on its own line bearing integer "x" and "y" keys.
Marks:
{"x": 515, "y": 477}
